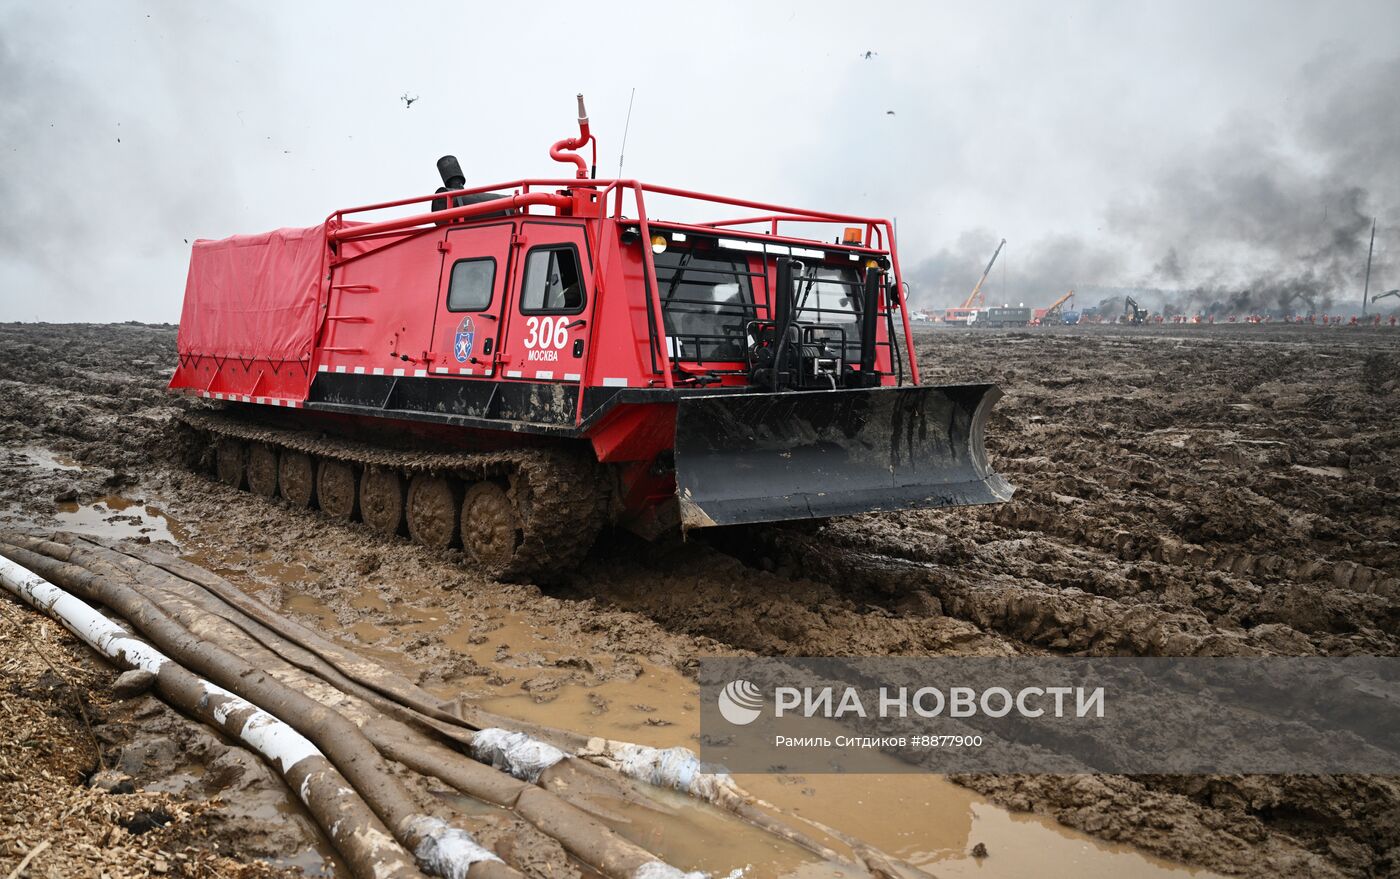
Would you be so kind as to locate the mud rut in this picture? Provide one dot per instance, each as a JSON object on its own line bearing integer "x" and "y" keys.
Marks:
{"x": 1218, "y": 492}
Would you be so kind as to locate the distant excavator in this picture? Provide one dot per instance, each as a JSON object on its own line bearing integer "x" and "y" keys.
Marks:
{"x": 1132, "y": 313}
{"x": 1379, "y": 296}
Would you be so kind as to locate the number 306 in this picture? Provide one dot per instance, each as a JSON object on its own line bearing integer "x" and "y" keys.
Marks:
{"x": 546, "y": 332}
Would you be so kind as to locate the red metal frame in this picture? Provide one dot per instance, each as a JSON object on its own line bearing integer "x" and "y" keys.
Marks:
{"x": 570, "y": 194}
{"x": 375, "y": 270}
{"x": 356, "y": 235}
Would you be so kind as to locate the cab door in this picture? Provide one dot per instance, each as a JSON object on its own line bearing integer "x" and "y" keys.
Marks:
{"x": 471, "y": 299}
{"x": 547, "y": 330}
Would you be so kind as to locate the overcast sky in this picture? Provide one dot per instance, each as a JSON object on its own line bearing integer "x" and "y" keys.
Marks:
{"x": 1155, "y": 143}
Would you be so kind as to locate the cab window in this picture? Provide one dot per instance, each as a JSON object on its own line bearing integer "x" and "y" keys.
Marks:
{"x": 828, "y": 295}
{"x": 553, "y": 281}
{"x": 832, "y": 297}
{"x": 470, "y": 286}
{"x": 706, "y": 302}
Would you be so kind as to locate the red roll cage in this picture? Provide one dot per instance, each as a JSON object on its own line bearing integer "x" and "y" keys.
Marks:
{"x": 598, "y": 201}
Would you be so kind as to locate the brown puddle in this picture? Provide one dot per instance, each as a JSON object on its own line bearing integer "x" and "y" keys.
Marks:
{"x": 50, "y": 460}
{"x": 114, "y": 515}
{"x": 118, "y": 517}
{"x": 921, "y": 818}
{"x": 924, "y": 819}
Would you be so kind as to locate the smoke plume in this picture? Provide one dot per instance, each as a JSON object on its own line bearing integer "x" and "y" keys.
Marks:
{"x": 1258, "y": 220}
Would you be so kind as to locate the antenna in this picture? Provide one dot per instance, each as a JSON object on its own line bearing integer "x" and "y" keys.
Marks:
{"x": 1370, "y": 250}
{"x": 621, "y": 153}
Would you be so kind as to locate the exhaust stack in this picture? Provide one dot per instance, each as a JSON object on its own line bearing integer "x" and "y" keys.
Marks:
{"x": 453, "y": 180}
{"x": 451, "y": 172}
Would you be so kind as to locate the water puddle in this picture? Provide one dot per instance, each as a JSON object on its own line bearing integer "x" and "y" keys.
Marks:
{"x": 1330, "y": 472}
{"x": 49, "y": 460}
{"x": 534, "y": 673}
{"x": 115, "y": 515}
{"x": 682, "y": 831}
{"x": 118, "y": 517}
{"x": 312, "y": 862}
{"x": 921, "y": 818}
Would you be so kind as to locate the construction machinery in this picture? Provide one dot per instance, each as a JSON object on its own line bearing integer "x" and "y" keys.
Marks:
{"x": 962, "y": 313}
{"x": 510, "y": 367}
{"x": 1379, "y": 296}
{"x": 1132, "y": 313}
{"x": 1055, "y": 314}
{"x": 1000, "y": 316}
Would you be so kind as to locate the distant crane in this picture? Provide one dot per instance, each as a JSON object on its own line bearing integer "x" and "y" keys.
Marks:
{"x": 1055, "y": 313}
{"x": 962, "y": 314}
{"x": 977, "y": 297}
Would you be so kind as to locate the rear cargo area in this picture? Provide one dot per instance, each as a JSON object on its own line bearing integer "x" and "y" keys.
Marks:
{"x": 254, "y": 297}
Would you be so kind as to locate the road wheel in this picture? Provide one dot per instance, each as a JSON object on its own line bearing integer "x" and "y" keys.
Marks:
{"x": 232, "y": 461}
{"x": 335, "y": 486}
{"x": 381, "y": 500}
{"x": 296, "y": 474}
{"x": 491, "y": 527}
{"x": 433, "y": 506}
{"x": 262, "y": 470}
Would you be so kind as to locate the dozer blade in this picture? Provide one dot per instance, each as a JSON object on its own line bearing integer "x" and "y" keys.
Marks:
{"x": 772, "y": 457}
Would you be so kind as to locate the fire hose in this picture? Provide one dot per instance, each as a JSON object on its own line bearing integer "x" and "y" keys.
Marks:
{"x": 396, "y": 720}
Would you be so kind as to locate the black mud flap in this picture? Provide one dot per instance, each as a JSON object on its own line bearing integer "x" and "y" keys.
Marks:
{"x": 811, "y": 454}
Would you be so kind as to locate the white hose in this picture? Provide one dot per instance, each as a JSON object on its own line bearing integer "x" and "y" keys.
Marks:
{"x": 281, "y": 745}
{"x": 445, "y": 850}
{"x": 515, "y": 752}
{"x": 674, "y": 768}
{"x": 526, "y": 758}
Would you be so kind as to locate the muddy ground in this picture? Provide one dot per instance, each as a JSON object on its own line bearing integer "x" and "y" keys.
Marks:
{"x": 1181, "y": 491}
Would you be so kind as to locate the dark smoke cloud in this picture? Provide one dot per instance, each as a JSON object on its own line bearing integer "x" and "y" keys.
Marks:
{"x": 1038, "y": 277}
{"x": 1261, "y": 219}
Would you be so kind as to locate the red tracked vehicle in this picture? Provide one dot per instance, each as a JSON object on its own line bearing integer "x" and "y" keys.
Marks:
{"x": 511, "y": 367}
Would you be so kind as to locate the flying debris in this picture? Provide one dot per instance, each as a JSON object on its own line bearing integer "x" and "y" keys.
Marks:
{"x": 868, "y": 54}
{"x": 889, "y": 112}
{"x": 407, "y": 101}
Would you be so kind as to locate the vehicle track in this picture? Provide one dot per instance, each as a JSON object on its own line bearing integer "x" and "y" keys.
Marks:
{"x": 522, "y": 514}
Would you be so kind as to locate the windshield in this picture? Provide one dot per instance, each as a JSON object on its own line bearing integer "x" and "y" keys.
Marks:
{"x": 706, "y": 301}
{"x": 828, "y": 295}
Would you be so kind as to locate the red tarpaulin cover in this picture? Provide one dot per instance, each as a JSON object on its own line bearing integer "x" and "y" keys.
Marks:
{"x": 254, "y": 296}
